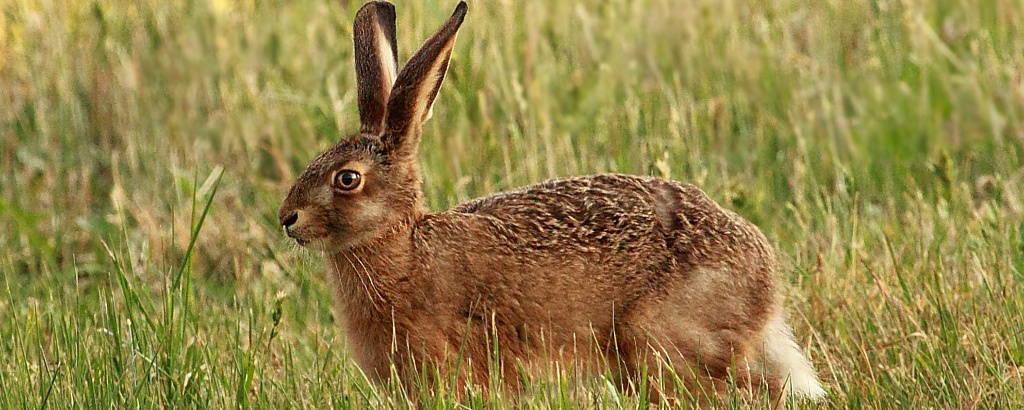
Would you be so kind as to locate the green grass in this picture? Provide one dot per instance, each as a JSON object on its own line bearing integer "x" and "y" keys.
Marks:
{"x": 879, "y": 143}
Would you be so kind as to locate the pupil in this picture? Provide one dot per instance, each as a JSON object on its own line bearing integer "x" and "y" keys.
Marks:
{"x": 346, "y": 179}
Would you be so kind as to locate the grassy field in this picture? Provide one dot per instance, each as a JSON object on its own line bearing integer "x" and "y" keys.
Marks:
{"x": 145, "y": 147}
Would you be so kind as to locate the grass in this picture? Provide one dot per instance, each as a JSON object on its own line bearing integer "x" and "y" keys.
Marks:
{"x": 145, "y": 148}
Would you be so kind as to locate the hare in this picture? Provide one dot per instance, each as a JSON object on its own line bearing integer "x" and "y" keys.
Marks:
{"x": 640, "y": 275}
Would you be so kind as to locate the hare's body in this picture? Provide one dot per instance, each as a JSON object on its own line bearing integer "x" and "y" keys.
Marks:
{"x": 643, "y": 274}
{"x": 608, "y": 267}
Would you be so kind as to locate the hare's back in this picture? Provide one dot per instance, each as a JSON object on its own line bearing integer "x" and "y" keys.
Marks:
{"x": 621, "y": 218}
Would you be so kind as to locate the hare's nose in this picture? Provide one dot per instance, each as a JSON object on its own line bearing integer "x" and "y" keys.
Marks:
{"x": 290, "y": 219}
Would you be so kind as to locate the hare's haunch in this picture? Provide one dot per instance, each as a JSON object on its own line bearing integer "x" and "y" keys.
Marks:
{"x": 646, "y": 275}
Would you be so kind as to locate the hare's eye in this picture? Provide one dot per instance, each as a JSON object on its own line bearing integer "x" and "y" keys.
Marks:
{"x": 347, "y": 180}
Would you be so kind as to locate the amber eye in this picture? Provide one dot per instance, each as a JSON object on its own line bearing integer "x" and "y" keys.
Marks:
{"x": 347, "y": 180}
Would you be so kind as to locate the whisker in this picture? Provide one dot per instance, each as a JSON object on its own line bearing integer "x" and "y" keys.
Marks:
{"x": 361, "y": 281}
{"x": 370, "y": 278}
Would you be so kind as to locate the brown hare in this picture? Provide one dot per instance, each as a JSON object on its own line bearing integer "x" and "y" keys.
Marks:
{"x": 643, "y": 275}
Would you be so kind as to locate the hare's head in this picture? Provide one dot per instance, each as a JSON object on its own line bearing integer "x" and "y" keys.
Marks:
{"x": 369, "y": 183}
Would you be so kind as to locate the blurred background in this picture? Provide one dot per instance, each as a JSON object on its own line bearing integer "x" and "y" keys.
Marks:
{"x": 145, "y": 147}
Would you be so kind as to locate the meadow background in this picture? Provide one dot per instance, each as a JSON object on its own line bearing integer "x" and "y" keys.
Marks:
{"x": 145, "y": 147}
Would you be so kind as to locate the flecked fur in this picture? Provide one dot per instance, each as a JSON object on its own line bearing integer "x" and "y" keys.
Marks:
{"x": 610, "y": 270}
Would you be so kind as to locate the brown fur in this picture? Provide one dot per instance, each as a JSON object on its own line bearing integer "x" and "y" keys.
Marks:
{"x": 607, "y": 269}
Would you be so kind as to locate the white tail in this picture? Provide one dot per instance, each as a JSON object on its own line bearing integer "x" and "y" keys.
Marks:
{"x": 784, "y": 359}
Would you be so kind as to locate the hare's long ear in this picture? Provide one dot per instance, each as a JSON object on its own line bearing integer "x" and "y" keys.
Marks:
{"x": 376, "y": 62}
{"x": 417, "y": 85}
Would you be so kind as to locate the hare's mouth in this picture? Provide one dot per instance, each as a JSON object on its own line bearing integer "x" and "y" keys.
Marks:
{"x": 298, "y": 239}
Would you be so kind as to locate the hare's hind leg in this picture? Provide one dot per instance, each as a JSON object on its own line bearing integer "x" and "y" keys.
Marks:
{"x": 671, "y": 365}
{"x": 696, "y": 335}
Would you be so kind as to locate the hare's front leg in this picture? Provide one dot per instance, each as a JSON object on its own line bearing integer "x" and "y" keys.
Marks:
{"x": 433, "y": 360}
{"x": 475, "y": 352}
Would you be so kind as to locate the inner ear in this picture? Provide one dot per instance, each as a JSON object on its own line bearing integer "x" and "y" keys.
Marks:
{"x": 376, "y": 62}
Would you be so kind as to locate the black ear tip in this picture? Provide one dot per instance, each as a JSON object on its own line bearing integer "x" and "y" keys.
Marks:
{"x": 379, "y": 6}
{"x": 387, "y": 6}
{"x": 460, "y": 10}
{"x": 387, "y": 11}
